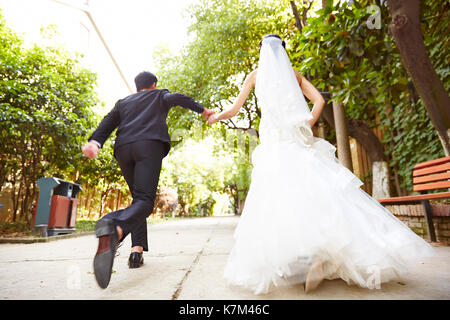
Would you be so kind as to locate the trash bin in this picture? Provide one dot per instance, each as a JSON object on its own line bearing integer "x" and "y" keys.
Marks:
{"x": 56, "y": 209}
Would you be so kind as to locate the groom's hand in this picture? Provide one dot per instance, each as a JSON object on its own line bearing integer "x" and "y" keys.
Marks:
{"x": 207, "y": 113}
{"x": 90, "y": 150}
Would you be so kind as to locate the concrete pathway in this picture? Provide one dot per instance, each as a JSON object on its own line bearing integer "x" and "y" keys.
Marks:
{"x": 186, "y": 261}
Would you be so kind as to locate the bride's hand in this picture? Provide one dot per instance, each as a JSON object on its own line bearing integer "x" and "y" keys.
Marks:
{"x": 213, "y": 118}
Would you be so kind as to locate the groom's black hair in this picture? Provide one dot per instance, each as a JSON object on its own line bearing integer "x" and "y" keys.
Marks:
{"x": 144, "y": 80}
{"x": 272, "y": 35}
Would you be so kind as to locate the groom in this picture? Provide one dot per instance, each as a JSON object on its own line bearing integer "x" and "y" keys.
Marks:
{"x": 141, "y": 144}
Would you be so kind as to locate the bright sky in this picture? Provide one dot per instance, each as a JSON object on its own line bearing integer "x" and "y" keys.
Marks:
{"x": 131, "y": 28}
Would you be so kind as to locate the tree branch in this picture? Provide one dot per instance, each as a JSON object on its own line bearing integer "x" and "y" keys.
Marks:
{"x": 298, "y": 22}
{"x": 305, "y": 12}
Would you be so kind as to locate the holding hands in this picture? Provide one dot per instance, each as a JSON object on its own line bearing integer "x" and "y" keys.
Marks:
{"x": 207, "y": 113}
{"x": 91, "y": 149}
{"x": 210, "y": 115}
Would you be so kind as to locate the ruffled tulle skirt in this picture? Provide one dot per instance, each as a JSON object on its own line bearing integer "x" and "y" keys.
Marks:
{"x": 304, "y": 206}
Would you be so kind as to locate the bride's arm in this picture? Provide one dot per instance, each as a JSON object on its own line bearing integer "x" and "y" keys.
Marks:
{"x": 313, "y": 95}
{"x": 249, "y": 84}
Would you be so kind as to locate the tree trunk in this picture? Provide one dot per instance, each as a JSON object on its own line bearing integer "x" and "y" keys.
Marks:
{"x": 400, "y": 191}
{"x": 321, "y": 129}
{"x": 343, "y": 145}
{"x": 90, "y": 203}
{"x": 370, "y": 142}
{"x": 405, "y": 27}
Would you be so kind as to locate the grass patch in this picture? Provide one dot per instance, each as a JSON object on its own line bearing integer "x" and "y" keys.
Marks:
{"x": 85, "y": 225}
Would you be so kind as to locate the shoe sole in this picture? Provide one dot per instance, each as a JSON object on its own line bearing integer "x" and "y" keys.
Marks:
{"x": 135, "y": 265}
{"x": 103, "y": 262}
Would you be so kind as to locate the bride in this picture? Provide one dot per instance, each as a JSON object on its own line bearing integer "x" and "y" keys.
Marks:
{"x": 305, "y": 217}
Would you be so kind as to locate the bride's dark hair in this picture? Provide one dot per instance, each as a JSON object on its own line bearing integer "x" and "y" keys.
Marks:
{"x": 272, "y": 35}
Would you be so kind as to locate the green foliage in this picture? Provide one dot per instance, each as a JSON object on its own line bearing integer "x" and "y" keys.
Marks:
{"x": 225, "y": 48}
{"x": 211, "y": 69}
{"x": 363, "y": 68}
{"x": 46, "y": 98}
{"x": 202, "y": 169}
{"x": 45, "y": 113}
{"x": 103, "y": 174}
{"x": 85, "y": 225}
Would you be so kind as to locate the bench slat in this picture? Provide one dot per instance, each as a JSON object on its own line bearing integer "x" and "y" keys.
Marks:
{"x": 419, "y": 197}
{"x": 434, "y": 169}
{"x": 432, "y": 177}
{"x": 432, "y": 163}
{"x": 431, "y": 186}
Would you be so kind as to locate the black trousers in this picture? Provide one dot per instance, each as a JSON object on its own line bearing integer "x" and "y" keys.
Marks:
{"x": 140, "y": 163}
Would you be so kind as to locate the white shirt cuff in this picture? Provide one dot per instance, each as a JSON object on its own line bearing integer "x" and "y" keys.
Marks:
{"x": 97, "y": 143}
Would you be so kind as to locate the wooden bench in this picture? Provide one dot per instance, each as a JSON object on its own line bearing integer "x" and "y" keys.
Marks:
{"x": 427, "y": 176}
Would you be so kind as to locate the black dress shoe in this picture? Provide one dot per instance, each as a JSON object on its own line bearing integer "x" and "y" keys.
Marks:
{"x": 136, "y": 260}
{"x": 108, "y": 239}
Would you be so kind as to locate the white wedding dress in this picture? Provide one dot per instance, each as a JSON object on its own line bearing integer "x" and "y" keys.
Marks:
{"x": 304, "y": 206}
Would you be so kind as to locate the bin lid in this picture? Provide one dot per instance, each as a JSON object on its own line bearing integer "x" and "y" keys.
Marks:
{"x": 52, "y": 182}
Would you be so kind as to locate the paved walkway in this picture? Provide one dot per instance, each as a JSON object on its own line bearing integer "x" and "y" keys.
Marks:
{"x": 186, "y": 261}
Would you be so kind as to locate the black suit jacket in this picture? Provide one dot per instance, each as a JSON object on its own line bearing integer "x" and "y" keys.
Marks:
{"x": 142, "y": 116}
